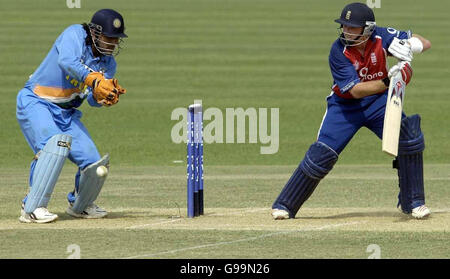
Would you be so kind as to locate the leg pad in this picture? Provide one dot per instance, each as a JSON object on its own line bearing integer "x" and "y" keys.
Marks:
{"x": 50, "y": 161}
{"x": 318, "y": 161}
{"x": 90, "y": 185}
{"x": 409, "y": 163}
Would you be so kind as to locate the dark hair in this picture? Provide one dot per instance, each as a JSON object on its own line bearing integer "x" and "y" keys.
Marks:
{"x": 88, "y": 32}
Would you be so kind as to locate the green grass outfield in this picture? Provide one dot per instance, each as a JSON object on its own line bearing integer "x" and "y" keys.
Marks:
{"x": 229, "y": 54}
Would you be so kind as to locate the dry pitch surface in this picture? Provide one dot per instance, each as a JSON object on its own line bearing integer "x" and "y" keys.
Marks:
{"x": 351, "y": 209}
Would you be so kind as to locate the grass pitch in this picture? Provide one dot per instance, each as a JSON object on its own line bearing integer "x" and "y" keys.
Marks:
{"x": 147, "y": 218}
{"x": 229, "y": 54}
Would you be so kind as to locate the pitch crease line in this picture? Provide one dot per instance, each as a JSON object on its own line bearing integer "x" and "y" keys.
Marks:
{"x": 153, "y": 224}
{"x": 243, "y": 240}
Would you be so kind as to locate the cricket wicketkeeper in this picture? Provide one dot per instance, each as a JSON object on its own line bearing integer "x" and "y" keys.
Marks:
{"x": 79, "y": 66}
{"x": 358, "y": 63}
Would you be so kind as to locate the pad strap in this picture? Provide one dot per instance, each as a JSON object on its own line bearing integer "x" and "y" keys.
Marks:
{"x": 411, "y": 139}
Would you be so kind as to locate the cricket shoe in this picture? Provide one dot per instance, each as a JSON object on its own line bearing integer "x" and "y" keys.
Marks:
{"x": 280, "y": 214}
{"x": 91, "y": 212}
{"x": 419, "y": 212}
{"x": 39, "y": 215}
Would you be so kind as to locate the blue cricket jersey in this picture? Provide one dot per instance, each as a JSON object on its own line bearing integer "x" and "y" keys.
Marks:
{"x": 60, "y": 77}
{"x": 348, "y": 67}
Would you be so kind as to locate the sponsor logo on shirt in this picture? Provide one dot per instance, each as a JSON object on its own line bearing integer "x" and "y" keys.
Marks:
{"x": 364, "y": 74}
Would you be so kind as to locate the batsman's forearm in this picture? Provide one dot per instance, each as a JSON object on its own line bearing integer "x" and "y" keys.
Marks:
{"x": 426, "y": 43}
{"x": 367, "y": 88}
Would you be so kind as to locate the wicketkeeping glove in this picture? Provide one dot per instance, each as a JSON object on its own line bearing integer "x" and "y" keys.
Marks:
{"x": 112, "y": 99}
{"x": 119, "y": 88}
{"x": 105, "y": 91}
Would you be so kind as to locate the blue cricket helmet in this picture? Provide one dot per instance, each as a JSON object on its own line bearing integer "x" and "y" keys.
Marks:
{"x": 107, "y": 23}
{"x": 111, "y": 23}
{"x": 356, "y": 15}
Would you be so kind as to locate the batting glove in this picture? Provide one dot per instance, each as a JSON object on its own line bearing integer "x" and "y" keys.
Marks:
{"x": 404, "y": 68}
{"x": 401, "y": 49}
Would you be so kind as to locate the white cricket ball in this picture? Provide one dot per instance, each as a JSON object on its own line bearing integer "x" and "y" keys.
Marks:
{"x": 102, "y": 171}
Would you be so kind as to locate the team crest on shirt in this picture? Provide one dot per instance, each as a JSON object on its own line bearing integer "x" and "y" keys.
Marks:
{"x": 373, "y": 58}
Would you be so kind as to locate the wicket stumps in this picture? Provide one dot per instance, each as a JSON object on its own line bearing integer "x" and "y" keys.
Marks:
{"x": 195, "y": 161}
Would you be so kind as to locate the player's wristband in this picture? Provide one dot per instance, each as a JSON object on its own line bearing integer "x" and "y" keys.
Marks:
{"x": 386, "y": 81}
{"x": 416, "y": 45}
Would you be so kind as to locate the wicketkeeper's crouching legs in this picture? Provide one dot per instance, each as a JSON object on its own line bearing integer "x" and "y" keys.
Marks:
{"x": 409, "y": 163}
{"x": 318, "y": 162}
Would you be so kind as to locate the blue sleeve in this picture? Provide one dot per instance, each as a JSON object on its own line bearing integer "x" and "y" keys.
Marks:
{"x": 92, "y": 102}
{"x": 70, "y": 46}
{"x": 388, "y": 34}
{"x": 343, "y": 72}
{"x": 111, "y": 68}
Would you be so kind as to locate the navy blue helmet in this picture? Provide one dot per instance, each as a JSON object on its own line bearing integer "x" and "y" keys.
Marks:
{"x": 108, "y": 23}
{"x": 111, "y": 22}
{"x": 357, "y": 15}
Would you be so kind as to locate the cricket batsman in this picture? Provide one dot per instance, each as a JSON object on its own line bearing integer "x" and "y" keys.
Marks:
{"x": 361, "y": 77}
{"x": 80, "y": 66}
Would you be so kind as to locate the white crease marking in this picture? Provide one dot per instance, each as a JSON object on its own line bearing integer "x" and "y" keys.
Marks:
{"x": 152, "y": 224}
{"x": 243, "y": 240}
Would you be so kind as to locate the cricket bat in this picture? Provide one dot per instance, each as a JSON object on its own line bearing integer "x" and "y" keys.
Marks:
{"x": 393, "y": 115}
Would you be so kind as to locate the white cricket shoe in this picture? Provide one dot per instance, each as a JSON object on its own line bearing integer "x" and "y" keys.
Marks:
{"x": 39, "y": 215}
{"x": 420, "y": 212}
{"x": 91, "y": 212}
{"x": 279, "y": 214}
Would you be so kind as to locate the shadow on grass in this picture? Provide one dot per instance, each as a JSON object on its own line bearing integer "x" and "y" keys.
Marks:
{"x": 63, "y": 216}
{"x": 384, "y": 214}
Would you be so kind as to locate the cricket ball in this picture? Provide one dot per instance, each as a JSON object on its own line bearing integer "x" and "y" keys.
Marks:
{"x": 102, "y": 171}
